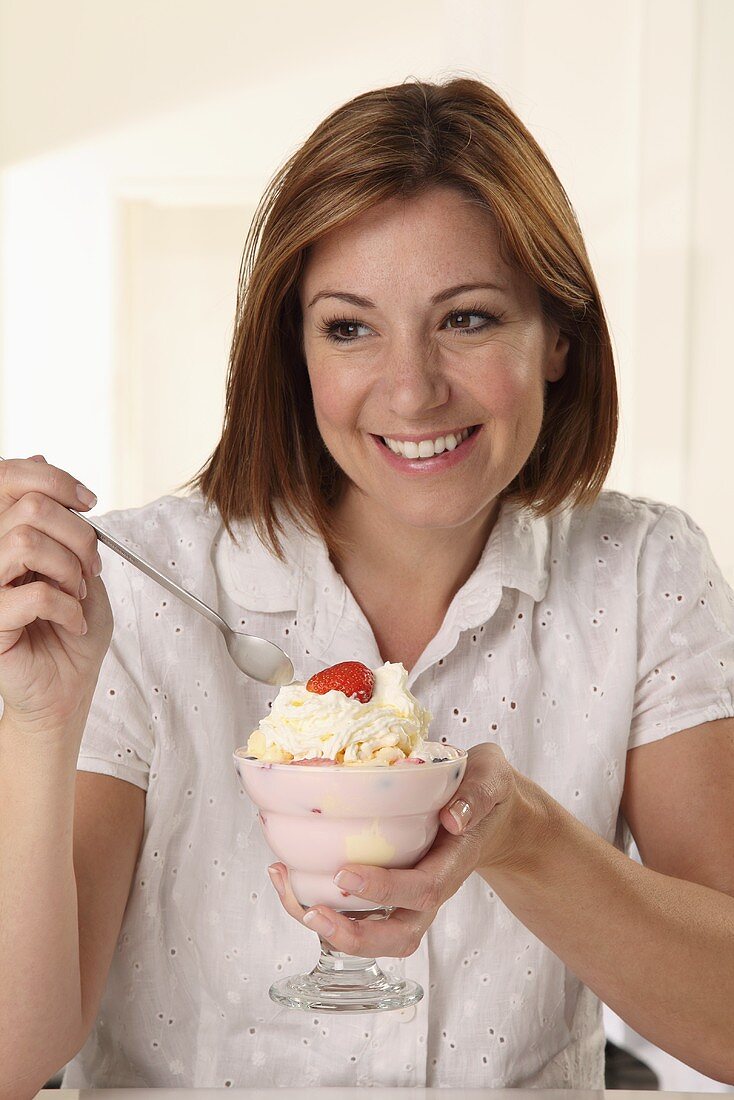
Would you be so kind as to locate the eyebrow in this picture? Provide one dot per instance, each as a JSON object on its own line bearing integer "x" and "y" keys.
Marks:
{"x": 365, "y": 303}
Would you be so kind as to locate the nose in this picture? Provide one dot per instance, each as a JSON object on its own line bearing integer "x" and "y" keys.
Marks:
{"x": 416, "y": 384}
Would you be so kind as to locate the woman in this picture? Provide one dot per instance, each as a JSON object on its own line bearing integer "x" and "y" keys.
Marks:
{"x": 421, "y": 411}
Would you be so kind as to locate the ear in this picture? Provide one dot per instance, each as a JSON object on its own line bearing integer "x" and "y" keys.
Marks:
{"x": 555, "y": 364}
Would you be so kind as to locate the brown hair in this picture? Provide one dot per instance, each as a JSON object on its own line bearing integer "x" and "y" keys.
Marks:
{"x": 391, "y": 142}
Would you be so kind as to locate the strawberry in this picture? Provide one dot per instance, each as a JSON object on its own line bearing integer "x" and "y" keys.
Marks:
{"x": 353, "y": 678}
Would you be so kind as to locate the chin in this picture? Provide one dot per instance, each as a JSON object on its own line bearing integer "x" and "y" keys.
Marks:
{"x": 437, "y": 514}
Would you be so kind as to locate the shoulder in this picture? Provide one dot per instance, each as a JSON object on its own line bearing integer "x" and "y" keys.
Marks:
{"x": 625, "y": 544}
{"x": 164, "y": 524}
{"x": 618, "y": 525}
{"x": 175, "y": 534}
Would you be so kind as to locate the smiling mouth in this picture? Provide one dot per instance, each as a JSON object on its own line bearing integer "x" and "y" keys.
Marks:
{"x": 428, "y": 448}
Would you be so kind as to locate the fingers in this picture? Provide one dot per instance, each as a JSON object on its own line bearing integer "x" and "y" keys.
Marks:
{"x": 38, "y": 600}
{"x": 40, "y": 537}
{"x": 26, "y": 549}
{"x": 395, "y": 937}
{"x": 279, "y": 877}
{"x": 19, "y": 476}
{"x": 50, "y": 518}
{"x": 488, "y": 781}
{"x": 423, "y": 888}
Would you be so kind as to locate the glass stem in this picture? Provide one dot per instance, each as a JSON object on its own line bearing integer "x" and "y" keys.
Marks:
{"x": 336, "y": 962}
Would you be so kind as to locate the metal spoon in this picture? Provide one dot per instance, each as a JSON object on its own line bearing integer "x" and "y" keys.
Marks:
{"x": 256, "y": 657}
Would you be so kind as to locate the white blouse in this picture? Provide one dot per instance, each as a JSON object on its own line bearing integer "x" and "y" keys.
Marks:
{"x": 576, "y": 637}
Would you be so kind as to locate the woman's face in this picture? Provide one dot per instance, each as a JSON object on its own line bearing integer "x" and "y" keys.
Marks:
{"x": 416, "y": 331}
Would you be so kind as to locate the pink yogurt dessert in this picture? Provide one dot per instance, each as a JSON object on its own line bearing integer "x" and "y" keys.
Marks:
{"x": 347, "y": 778}
{"x": 316, "y": 819}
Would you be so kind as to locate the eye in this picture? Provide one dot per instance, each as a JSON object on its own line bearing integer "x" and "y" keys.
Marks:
{"x": 341, "y": 330}
{"x": 463, "y": 319}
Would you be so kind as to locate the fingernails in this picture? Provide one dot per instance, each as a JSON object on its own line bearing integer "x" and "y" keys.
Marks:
{"x": 461, "y": 812}
{"x": 85, "y": 628}
{"x": 96, "y": 565}
{"x": 277, "y": 880}
{"x": 86, "y": 496}
{"x": 82, "y": 589}
{"x": 347, "y": 880}
{"x": 318, "y": 923}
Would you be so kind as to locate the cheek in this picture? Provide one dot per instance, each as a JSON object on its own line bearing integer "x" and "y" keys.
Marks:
{"x": 336, "y": 398}
{"x": 510, "y": 392}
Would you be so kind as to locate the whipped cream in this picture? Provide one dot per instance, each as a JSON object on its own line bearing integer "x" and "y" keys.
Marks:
{"x": 304, "y": 725}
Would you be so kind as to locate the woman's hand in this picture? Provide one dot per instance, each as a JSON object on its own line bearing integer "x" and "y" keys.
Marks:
{"x": 484, "y": 825}
{"x": 55, "y": 617}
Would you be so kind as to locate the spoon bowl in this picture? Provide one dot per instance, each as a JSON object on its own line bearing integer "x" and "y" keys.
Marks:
{"x": 258, "y": 658}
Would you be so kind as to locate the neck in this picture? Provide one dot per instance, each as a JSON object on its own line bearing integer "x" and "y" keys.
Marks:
{"x": 409, "y": 563}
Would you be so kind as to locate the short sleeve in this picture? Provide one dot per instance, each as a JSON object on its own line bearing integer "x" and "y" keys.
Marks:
{"x": 118, "y": 737}
{"x": 685, "y": 624}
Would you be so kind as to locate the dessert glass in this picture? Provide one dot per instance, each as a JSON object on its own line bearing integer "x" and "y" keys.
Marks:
{"x": 318, "y": 817}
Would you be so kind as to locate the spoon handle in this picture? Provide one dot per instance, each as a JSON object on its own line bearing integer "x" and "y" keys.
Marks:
{"x": 150, "y": 571}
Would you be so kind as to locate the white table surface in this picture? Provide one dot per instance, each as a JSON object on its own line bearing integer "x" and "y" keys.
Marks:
{"x": 357, "y": 1094}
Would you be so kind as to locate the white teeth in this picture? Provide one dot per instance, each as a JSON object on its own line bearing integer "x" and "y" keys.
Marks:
{"x": 426, "y": 448}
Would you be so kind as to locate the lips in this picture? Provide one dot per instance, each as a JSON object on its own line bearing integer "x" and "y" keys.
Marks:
{"x": 428, "y": 446}
{"x": 414, "y": 465}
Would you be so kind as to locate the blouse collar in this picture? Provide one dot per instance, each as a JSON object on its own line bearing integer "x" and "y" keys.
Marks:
{"x": 515, "y": 556}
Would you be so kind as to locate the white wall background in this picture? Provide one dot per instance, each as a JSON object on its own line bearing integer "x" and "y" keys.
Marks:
{"x": 137, "y": 136}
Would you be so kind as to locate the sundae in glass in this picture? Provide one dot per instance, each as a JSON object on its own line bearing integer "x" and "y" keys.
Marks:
{"x": 342, "y": 772}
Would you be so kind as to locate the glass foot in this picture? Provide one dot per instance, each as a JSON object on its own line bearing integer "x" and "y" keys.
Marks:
{"x": 345, "y": 983}
{"x": 366, "y": 989}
